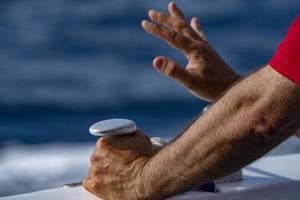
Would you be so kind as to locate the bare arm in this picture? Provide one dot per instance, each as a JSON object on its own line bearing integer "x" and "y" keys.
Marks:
{"x": 249, "y": 120}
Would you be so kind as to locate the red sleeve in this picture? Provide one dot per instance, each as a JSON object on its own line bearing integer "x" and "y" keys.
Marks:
{"x": 286, "y": 60}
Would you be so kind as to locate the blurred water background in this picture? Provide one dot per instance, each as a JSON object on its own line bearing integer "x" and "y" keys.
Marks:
{"x": 65, "y": 64}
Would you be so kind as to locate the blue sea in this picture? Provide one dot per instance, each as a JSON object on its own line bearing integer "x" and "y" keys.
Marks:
{"x": 65, "y": 64}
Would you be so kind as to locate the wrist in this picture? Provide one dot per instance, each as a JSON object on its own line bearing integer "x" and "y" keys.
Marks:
{"x": 232, "y": 80}
{"x": 143, "y": 189}
{"x": 146, "y": 182}
{"x": 228, "y": 83}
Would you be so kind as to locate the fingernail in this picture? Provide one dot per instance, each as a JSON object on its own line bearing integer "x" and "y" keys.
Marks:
{"x": 144, "y": 23}
{"x": 151, "y": 12}
{"x": 173, "y": 4}
{"x": 159, "y": 63}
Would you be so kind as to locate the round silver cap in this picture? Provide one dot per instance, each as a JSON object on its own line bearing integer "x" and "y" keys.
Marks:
{"x": 112, "y": 127}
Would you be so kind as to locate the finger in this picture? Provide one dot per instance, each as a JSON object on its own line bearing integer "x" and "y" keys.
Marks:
{"x": 92, "y": 186}
{"x": 105, "y": 150}
{"x": 171, "y": 69}
{"x": 138, "y": 143}
{"x": 110, "y": 154}
{"x": 97, "y": 170}
{"x": 172, "y": 37}
{"x": 175, "y": 11}
{"x": 180, "y": 25}
{"x": 166, "y": 20}
{"x": 196, "y": 26}
{"x": 185, "y": 28}
{"x": 160, "y": 18}
{"x": 94, "y": 158}
{"x": 87, "y": 183}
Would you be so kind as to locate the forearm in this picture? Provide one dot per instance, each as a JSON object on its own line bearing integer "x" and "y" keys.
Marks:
{"x": 248, "y": 121}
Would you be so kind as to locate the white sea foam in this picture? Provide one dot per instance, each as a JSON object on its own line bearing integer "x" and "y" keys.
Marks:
{"x": 29, "y": 168}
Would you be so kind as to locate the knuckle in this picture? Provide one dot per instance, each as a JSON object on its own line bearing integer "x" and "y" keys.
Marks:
{"x": 180, "y": 25}
{"x": 173, "y": 34}
{"x": 90, "y": 185}
{"x": 161, "y": 16}
{"x": 156, "y": 29}
{"x": 191, "y": 84}
{"x": 171, "y": 70}
{"x": 96, "y": 171}
{"x": 194, "y": 50}
{"x": 94, "y": 158}
{"x": 94, "y": 185}
{"x": 196, "y": 47}
{"x": 100, "y": 144}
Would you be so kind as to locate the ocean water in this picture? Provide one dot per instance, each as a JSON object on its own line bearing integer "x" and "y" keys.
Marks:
{"x": 67, "y": 64}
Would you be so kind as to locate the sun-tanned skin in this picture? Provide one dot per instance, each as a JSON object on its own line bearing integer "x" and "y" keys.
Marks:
{"x": 248, "y": 121}
{"x": 206, "y": 74}
{"x": 251, "y": 118}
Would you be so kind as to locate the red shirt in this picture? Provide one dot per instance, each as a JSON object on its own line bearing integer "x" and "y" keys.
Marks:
{"x": 286, "y": 60}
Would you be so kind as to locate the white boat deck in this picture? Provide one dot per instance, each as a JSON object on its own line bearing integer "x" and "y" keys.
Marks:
{"x": 274, "y": 177}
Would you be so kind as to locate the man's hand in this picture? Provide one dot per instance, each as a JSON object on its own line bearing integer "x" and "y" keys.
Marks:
{"x": 206, "y": 74}
{"x": 116, "y": 167}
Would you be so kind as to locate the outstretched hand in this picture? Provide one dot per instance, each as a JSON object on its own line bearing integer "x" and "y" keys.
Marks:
{"x": 206, "y": 74}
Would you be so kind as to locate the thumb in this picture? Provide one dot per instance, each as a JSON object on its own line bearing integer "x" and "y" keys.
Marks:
{"x": 171, "y": 69}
